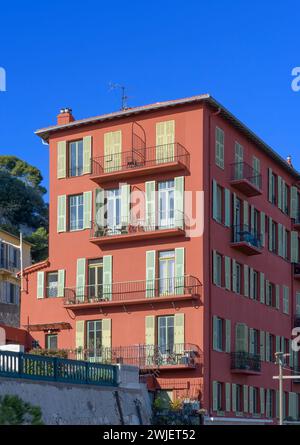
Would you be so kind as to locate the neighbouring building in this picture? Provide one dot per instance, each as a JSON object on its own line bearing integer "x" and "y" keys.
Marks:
{"x": 9, "y": 280}
{"x": 173, "y": 245}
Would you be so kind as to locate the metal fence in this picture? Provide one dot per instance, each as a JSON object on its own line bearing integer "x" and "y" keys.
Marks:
{"x": 140, "y": 158}
{"x": 55, "y": 369}
{"x": 245, "y": 233}
{"x": 245, "y": 361}
{"x": 242, "y": 170}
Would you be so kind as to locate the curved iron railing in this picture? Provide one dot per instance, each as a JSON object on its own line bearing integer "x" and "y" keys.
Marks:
{"x": 133, "y": 290}
{"x": 140, "y": 158}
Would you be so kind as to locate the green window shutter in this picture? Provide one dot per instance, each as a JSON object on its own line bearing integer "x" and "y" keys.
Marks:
{"x": 219, "y": 154}
{"x": 165, "y": 138}
{"x": 270, "y": 234}
{"x": 215, "y": 395}
{"x": 106, "y": 333}
{"x": 241, "y": 337}
{"x": 179, "y": 329}
{"x": 252, "y": 209}
{"x": 251, "y": 399}
{"x": 251, "y": 341}
{"x": 227, "y": 395}
{"x": 87, "y": 210}
{"x": 294, "y": 247}
{"x": 246, "y": 280}
{"x": 277, "y": 345}
{"x": 227, "y": 273}
{"x": 150, "y": 273}
{"x": 228, "y": 335}
{"x": 280, "y": 249}
{"x": 107, "y": 277}
{"x": 234, "y": 397}
{"x": 125, "y": 204}
{"x": 267, "y": 282}
{"x": 245, "y": 394}
{"x": 270, "y": 190}
{"x": 263, "y": 228}
{"x": 279, "y": 192}
{"x": 234, "y": 201}
{"x": 215, "y": 200}
{"x": 80, "y": 278}
{"x": 99, "y": 208}
{"x": 149, "y": 330}
{"x": 179, "y": 201}
{"x": 291, "y": 352}
{"x": 267, "y": 346}
{"x": 61, "y": 283}
{"x": 256, "y": 172}
{"x": 286, "y": 297}
{"x": 150, "y": 205}
{"x": 61, "y": 213}
{"x": 87, "y": 154}
{"x": 262, "y": 400}
{"x": 215, "y": 268}
{"x": 179, "y": 270}
{"x": 294, "y": 202}
{"x": 79, "y": 340}
{"x": 246, "y": 213}
{"x": 251, "y": 293}
{"x": 40, "y": 284}
{"x": 277, "y": 294}
{"x": 61, "y": 159}
{"x": 234, "y": 276}
{"x": 227, "y": 208}
{"x": 297, "y": 303}
{"x": 268, "y": 398}
{"x": 262, "y": 287}
{"x": 215, "y": 333}
{"x": 262, "y": 345}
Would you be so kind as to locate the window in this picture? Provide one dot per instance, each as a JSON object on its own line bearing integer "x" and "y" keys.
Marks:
{"x": 239, "y": 158}
{"x": 220, "y": 334}
{"x": 285, "y": 199}
{"x": 238, "y": 400}
{"x": 76, "y": 158}
{"x": 76, "y": 212}
{"x": 255, "y": 401}
{"x": 166, "y": 261}
{"x": 95, "y": 279}
{"x": 52, "y": 284}
{"x": 256, "y": 172}
{"x": 94, "y": 340}
{"x": 273, "y": 245}
{"x": 219, "y": 204}
{"x": 271, "y": 340}
{"x": 113, "y": 206}
{"x": 255, "y": 227}
{"x": 219, "y": 388}
{"x": 219, "y": 147}
{"x": 255, "y": 347}
{"x": 166, "y": 204}
{"x": 270, "y": 295}
{"x": 165, "y": 330}
{"x": 238, "y": 271}
{"x": 218, "y": 269}
{"x": 51, "y": 341}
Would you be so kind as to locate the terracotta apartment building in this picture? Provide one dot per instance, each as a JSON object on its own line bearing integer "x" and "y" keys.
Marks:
{"x": 174, "y": 247}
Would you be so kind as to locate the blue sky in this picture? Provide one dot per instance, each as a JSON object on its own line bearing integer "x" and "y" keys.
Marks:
{"x": 65, "y": 53}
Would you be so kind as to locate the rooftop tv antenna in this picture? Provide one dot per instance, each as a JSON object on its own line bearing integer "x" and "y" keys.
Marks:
{"x": 114, "y": 86}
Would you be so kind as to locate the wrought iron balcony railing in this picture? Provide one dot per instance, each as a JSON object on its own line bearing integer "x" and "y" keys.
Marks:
{"x": 243, "y": 171}
{"x": 144, "y": 356}
{"x": 244, "y": 361}
{"x": 141, "y": 158}
{"x": 243, "y": 233}
{"x": 133, "y": 290}
{"x": 135, "y": 225}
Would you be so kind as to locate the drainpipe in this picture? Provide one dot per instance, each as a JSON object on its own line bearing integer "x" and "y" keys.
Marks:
{"x": 216, "y": 113}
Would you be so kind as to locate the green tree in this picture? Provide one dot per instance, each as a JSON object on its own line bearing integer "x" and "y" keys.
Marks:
{"x": 14, "y": 411}
{"x": 22, "y": 170}
{"x": 39, "y": 240}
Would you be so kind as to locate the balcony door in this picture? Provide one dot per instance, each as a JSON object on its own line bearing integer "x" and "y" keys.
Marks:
{"x": 166, "y": 204}
{"x": 113, "y": 201}
{"x": 94, "y": 340}
{"x": 239, "y": 158}
{"x": 167, "y": 273}
{"x": 165, "y": 334}
{"x": 95, "y": 276}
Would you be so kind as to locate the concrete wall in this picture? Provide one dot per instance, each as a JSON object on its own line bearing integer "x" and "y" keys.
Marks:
{"x": 82, "y": 405}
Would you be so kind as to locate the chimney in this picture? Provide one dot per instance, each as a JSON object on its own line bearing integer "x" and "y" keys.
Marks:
{"x": 65, "y": 116}
{"x": 289, "y": 160}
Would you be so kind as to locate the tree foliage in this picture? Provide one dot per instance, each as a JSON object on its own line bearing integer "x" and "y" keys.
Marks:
{"x": 14, "y": 411}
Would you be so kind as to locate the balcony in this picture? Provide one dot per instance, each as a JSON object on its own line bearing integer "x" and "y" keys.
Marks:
{"x": 245, "y": 179}
{"x": 133, "y": 292}
{"x": 138, "y": 229}
{"x": 296, "y": 270}
{"x": 296, "y": 223}
{"x": 246, "y": 240}
{"x": 146, "y": 357}
{"x": 245, "y": 363}
{"x": 8, "y": 268}
{"x": 142, "y": 161}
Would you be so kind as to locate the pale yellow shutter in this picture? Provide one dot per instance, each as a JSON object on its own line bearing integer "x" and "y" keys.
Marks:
{"x": 165, "y": 139}
{"x": 61, "y": 213}
{"x": 40, "y": 284}
{"x": 112, "y": 151}
{"x": 79, "y": 340}
{"x": 106, "y": 333}
{"x": 87, "y": 210}
{"x": 87, "y": 153}
{"x": 179, "y": 329}
{"x": 61, "y": 159}
{"x": 61, "y": 283}
{"x": 150, "y": 330}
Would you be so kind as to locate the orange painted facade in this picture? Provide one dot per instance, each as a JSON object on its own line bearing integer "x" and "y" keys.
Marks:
{"x": 195, "y": 129}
